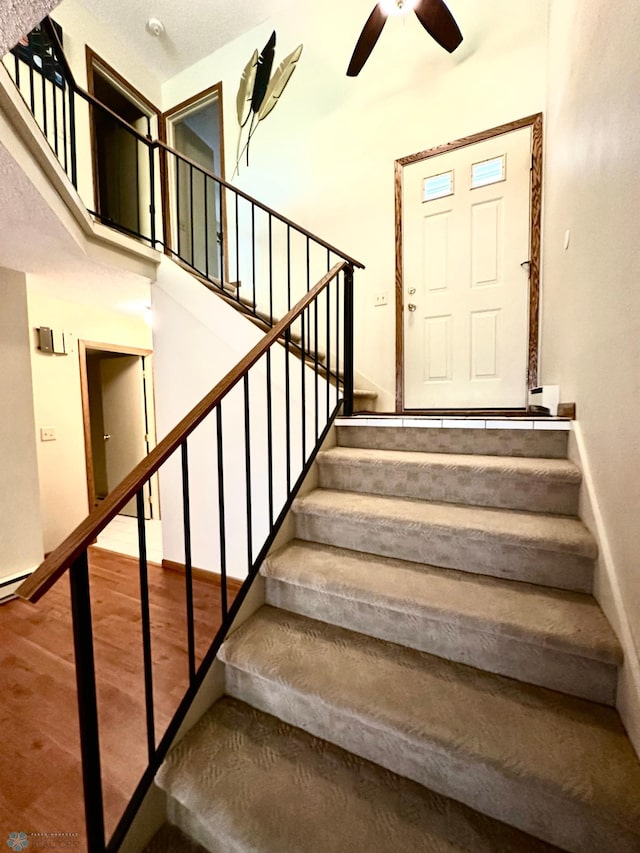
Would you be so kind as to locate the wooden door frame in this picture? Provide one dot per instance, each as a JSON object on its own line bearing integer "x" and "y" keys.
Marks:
{"x": 92, "y": 60}
{"x": 83, "y": 346}
{"x": 164, "y": 170}
{"x": 535, "y": 123}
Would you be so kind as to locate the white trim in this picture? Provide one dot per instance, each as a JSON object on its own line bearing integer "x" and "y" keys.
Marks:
{"x": 427, "y": 422}
{"x": 608, "y": 593}
{"x": 10, "y": 584}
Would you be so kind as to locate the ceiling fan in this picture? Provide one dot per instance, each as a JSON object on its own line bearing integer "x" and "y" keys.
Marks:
{"x": 434, "y": 16}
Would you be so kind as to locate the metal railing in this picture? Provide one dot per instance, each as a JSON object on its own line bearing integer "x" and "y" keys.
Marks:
{"x": 260, "y": 427}
{"x": 243, "y": 249}
{"x": 271, "y": 401}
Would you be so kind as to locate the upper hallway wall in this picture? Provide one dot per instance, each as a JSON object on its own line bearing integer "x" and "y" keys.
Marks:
{"x": 325, "y": 156}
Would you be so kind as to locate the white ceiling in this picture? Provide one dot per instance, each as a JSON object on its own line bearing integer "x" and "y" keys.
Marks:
{"x": 193, "y": 28}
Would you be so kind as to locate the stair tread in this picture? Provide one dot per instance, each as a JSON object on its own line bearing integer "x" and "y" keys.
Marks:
{"x": 259, "y": 784}
{"x": 567, "y": 748}
{"x": 170, "y": 839}
{"x": 549, "y": 532}
{"x": 566, "y": 621}
{"x": 554, "y": 470}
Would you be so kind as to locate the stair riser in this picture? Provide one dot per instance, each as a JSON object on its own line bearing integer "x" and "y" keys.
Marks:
{"x": 451, "y": 549}
{"x": 551, "y": 444}
{"x": 440, "y": 767}
{"x": 528, "y": 662}
{"x": 476, "y": 488}
{"x": 180, "y": 816}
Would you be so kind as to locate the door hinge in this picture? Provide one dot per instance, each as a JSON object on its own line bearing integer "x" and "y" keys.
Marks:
{"x": 150, "y": 499}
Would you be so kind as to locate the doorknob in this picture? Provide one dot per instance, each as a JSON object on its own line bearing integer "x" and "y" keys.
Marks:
{"x": 411, "y": 306}
{"x": 106, "y": 437}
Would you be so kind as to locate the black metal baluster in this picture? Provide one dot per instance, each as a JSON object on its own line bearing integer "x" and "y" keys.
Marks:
{"x": 72, "y": 138}
{"x": 178, "y": 229}
{"x": 328, "y": 352}
{"x": 64, "y": 127}
{"x": 191, "y": 228}
{"x": 247, "y": 463}
{"x": 87, "y": 703}
{"x": 270, "y": 439}
{"x": 32, "y": 96}
{"x": 146, "y": 626}
{"x": 220, "y": 236}
{"x": 315, "y": 362}
{"x": 288, "y": 268}
{"x": 221, "y": 516}
{"x": 188, "y": 569}
{"x": 253, "y": 254}
{"x": 338, "y": 381}
{"x": 270, "y": 270}
{"x": 17, "y": 66}
{"x": 348, "y": 341}
{"x": 45, "y": 118}
{"x": 237, "y": 250}
{"x": 152, "y": 202}
{"x": 55, "y": 115}
{"x": 206, "y": 229}
{"x": 304, "y": 388}
{"x": 287, "y": 384}
{"x": 308, "y": 267}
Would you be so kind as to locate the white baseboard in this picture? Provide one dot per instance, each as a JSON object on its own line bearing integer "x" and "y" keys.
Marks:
{"x": 10, "y": 584}
{"x": 608, "y": 593}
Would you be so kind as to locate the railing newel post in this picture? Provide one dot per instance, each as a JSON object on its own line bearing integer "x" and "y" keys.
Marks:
{"x": 348, "y": 341}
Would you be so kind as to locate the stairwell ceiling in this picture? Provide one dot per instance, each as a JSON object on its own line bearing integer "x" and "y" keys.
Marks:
{"x": 18, "y": 17}
{"x": 193, "y": 28}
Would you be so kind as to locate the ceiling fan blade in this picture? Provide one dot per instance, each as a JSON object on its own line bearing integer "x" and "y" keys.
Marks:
{"x": 368, "y": 37}
{"x": 439, "y": 23}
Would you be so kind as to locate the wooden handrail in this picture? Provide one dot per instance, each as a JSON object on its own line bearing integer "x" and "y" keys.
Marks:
{"x": 56, "y": 564}
{"x": 157, "y": 143}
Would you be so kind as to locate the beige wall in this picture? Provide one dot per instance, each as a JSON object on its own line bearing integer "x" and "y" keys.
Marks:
{"x": 57, "y": 400}
{"x": 325, "y": 155}
{"x": 591, "y": 291}
{"x": 20, "y": 522}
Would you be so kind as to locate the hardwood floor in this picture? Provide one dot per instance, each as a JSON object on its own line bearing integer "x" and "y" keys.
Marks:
{"x": 40, "y": 772}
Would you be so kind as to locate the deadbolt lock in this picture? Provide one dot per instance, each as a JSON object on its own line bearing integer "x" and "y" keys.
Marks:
{"x": 412, "y": 290}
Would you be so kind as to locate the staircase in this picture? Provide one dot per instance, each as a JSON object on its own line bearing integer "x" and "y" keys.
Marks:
{"x": 430, "y": 671}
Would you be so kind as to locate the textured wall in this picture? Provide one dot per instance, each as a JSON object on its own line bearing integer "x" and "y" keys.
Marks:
{"x": 18, "y": 17}
{"x": 591, "y": 298}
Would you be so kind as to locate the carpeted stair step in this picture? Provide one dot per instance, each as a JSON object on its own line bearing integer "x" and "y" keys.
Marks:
{"x": 535, "y": 485}
{"x": 485, "y": 442}
{"x": 555, "y": 766}
{"x": 171, "y": 839}
{"x": 548, "y": 637}
{"x": 543, "y": 549}
{"x": 242, "y": 780}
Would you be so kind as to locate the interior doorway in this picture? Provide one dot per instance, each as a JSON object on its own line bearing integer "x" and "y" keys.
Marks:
{"x": 468, "y": 271}
{"x": 194, "y": 204}
{"x": 118, "y": 417}
{"x": 121, "y": 173}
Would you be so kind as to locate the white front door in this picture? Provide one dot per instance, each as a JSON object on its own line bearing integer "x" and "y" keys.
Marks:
{"x": 466, "y": 237}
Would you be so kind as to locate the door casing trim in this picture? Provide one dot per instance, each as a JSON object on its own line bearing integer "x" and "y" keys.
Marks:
{"x": 83, "y": 346}
{"x": 535, "y": 122}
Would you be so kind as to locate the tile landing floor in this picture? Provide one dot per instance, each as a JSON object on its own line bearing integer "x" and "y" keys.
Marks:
{"x": 121, "y": 536}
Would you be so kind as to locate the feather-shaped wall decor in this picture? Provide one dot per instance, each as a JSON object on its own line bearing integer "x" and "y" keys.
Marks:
{"x": 263, "y": 72}
{"x": 245, "y": 91}
{"x": 259, "y": 92}
{"x": 278, "y": 82}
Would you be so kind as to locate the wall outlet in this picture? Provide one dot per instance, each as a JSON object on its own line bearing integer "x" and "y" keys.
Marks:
{"x": 48, "y": 434}
{"x": 381, "y": 299}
